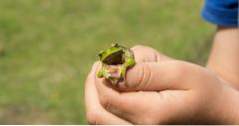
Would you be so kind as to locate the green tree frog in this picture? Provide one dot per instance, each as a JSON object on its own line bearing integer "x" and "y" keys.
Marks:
{"x": 115, "y": 61}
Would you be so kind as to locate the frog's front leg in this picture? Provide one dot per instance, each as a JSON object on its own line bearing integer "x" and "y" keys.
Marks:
{"x": 103, "y": 72}
{"x": 123, "y": 69}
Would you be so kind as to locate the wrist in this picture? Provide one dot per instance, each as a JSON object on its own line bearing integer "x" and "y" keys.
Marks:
{"x": 224, "y": 59}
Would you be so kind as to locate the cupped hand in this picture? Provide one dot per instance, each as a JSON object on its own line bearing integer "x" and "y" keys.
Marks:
{"x": 95, "y": 112}
{"x": 168, "y": 92}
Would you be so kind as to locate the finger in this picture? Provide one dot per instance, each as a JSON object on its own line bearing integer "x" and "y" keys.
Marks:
{"x": 140, "y": 107}
{"x": 96, "y": 114}
{"x": 158, "y": 76}
{"x": 147, "y": 54}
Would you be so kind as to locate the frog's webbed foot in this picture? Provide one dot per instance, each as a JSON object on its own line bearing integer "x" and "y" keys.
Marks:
{"x": 103, "y": 73}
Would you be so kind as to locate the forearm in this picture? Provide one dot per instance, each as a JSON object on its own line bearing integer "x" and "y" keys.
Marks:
{"x": 224, "y": 57}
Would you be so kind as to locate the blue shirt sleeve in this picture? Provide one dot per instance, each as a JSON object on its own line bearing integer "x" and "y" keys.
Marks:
{"x": 221, "y": 12}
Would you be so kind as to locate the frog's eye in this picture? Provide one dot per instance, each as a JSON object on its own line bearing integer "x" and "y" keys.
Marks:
{"x": 100, "y": 54}
{"x": 115, "y": 45}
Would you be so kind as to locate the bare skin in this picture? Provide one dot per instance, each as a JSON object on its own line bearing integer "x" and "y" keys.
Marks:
{"x": 170, "y": 91}
{"x": 224, "y": 58}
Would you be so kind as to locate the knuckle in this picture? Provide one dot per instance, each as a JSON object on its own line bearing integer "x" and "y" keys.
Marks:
{"x": 137, "y": 76}
{"x": 145, "y": 77}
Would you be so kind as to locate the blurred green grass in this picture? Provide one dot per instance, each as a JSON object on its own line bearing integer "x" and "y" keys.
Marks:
{"x": 49, "y": 46}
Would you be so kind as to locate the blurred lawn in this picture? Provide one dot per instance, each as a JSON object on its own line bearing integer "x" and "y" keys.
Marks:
{"x": 49, "y": 46}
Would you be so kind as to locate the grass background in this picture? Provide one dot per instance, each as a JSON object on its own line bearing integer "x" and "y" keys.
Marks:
{"x": 48, "y": 46}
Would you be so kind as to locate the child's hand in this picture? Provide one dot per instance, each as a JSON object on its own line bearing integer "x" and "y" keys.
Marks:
{"x": 96, "y": 114}
{"x": 169, "y": 92}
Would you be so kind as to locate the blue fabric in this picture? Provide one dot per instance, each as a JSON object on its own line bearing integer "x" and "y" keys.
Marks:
{"x": 221, "y": 12}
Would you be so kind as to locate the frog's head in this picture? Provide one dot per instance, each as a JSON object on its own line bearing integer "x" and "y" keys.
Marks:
{"x": 112, "y": 55}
